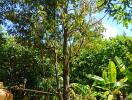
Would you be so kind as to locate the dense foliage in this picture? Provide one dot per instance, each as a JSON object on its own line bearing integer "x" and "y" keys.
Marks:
{"x": 56, "y": 46}
{"x": 18, "y": 63}
{"x": 89, "y": 62}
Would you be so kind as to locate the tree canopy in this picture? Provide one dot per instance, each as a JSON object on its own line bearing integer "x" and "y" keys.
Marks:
{"x": 120, "y": 10}
{"x": 58, "y": 47}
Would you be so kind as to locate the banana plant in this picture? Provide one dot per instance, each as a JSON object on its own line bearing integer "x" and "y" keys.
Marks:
{"x": 81, "y": 92}
{"x": 108, "y": 82}
{"x": 127, "y": 71}
{"x": 114, "y": 86}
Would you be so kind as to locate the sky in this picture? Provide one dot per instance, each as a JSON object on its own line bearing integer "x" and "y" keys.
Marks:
{"x": 112, "y": 28}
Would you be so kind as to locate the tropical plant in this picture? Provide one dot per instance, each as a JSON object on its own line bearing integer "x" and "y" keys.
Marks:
{"x": 112, "y": 86}
{"x": 93, "y": 60}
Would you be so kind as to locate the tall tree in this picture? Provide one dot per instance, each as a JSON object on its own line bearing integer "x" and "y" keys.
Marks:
{"x": 73, "y": 28}
{"x": 49, "y": 22}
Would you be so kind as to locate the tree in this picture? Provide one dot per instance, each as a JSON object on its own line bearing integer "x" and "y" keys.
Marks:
{"x": 120, "y": 10}
{"x": 57, "y": 29}
{"x": 43, "y": 25}
{"x": 19, "y": 63}
{"x": 72, "y": 22}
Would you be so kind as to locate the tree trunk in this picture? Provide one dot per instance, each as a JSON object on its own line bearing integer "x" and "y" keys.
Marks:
{"x": 66, "y": 67}
{"x": 66, "y": 70}
{"x": 57, "y": 78}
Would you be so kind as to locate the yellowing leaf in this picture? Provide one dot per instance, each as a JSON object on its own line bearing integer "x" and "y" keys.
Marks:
{"x": 110, "y": 97}
{"x": 106, "y": 93}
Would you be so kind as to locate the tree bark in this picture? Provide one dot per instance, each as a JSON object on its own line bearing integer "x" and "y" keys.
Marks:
{"x": 66, "y": 67}
{"x": 66, "y": 70}
{"x": 57, "y": 78}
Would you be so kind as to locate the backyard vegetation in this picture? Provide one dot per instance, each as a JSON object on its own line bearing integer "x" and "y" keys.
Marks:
{"x": 55, "y": 50}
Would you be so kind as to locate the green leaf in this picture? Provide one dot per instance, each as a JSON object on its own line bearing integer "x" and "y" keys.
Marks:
{"x": 104, "y": 75}
{"x": 120, "y": 64}
{"x": 1, "y": 28}
{"x": 79, "y": 88}
{"x": 123, "y": 80}
{"x": 121, "y": 0}
{"x": 96, "y": 78}
{"x": 129, "y": 73}
{"x": 129, "y": 96}
{"x": 112, "y": 72}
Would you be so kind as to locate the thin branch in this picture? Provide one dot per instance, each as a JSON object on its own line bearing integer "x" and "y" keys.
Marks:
{"x": 99, "y": 20}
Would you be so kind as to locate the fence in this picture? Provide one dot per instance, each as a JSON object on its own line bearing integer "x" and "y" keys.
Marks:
{"x": 29, "y": 94}
{"x": 17, "y": 93}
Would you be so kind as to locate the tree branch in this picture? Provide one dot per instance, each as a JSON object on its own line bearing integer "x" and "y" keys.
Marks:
{"x": 99, "y": 20}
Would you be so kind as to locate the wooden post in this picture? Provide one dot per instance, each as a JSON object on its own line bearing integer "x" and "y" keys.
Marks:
{"x": 4, "y": 94}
